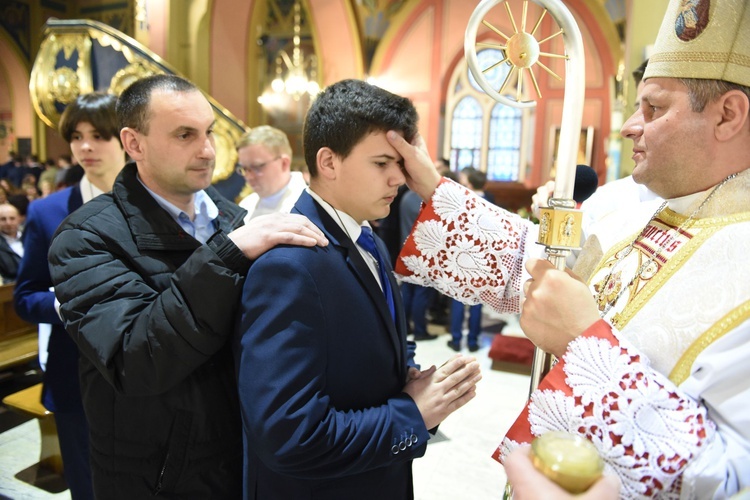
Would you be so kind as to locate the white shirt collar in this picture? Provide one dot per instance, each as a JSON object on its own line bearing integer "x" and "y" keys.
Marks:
{"x": 342, "y": 219}
{"x": 88, "y": 190}
{"x": 352, "y": 230}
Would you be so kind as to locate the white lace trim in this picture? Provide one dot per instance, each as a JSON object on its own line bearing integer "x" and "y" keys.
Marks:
{"x": 646, "y": 431}
{"x": 474, "y": 253}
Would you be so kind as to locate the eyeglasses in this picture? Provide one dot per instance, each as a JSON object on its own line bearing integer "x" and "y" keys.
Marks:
{"x": 255, "y": 169}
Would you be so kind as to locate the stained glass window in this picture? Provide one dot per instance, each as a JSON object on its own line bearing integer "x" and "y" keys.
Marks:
{"x": 481, "y": 132}
{"x": 466, "y": 134}
{"x": 504, "y": 155}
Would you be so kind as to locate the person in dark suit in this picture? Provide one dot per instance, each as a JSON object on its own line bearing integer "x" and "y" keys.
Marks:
{"x": 89, "y": 125}
{"x": 333, "y": 404}
{"x": 11, "y": 247}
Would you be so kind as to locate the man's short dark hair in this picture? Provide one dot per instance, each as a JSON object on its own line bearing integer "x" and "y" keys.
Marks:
{"x": 639, "y": 71}
{"x": 133, "y": 104}
{"x": 703, "y": 91}
{"x": 96, "y": 108}
{"x": 476, "y": 178}
{"x": 347, "y": 111}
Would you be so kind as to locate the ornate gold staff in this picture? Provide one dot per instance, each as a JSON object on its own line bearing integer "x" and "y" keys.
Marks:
{"x": 560, "y": 224}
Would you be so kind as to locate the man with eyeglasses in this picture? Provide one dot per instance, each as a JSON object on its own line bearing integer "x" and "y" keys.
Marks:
{"x": 264, "y": 160}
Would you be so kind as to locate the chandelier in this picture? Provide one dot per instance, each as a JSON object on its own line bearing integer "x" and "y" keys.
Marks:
{"x": 296, "y": 75}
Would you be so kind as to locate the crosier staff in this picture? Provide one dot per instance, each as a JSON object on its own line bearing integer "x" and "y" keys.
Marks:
{"x": 560, "y": 223}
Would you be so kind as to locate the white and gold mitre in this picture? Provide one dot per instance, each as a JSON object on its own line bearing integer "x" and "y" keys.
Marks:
{"x": 706, "y": 39}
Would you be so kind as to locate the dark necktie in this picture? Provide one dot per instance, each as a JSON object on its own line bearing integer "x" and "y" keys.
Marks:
{"x": 367, "y": 241}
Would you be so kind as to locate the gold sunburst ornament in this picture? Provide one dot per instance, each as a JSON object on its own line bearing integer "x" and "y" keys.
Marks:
{"x": 522, "y": 50}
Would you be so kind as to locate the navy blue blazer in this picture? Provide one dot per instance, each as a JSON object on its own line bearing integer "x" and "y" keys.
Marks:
{"x": 321, "y": 367}
{"x": 36, "y": 304}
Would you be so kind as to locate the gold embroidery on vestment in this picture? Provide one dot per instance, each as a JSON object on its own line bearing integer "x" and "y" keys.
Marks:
{"x": 700, "y": 231}
{"x": 729, "y": 322}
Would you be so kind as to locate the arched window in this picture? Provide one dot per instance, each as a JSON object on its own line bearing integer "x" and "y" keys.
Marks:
{"x": 466, "y": 134}
{"x": 481, "y": 132}
{"x": 504, "y": 154}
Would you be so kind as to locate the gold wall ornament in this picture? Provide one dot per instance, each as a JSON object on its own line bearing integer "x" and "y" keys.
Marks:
{"x": 225, "y": 137}
{"x": 129, "y": 74}
{"x": 81, "y": 56}
{"x": 60, "y": 74}
{"x": 64, "y": 85}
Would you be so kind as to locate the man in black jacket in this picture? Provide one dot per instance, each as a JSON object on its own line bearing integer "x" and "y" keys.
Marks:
{"x": 148, "y": 278}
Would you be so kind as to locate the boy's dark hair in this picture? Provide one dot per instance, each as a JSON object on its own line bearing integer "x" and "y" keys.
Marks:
{"x": 133, "y": 104}
{"x": 347, "y": 111}
{"x": 450, "y": 174}
{"x": 72, "y": 176}
{"x": 477, "y": 179}
{"x": 96, "y": 108}
{"x": 21, "y": 202}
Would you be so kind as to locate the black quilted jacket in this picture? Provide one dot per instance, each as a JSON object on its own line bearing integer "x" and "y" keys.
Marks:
{"x": 151, "y": 310}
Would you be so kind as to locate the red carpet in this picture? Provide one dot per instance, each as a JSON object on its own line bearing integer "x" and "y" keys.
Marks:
{"x": 511, "y": 354}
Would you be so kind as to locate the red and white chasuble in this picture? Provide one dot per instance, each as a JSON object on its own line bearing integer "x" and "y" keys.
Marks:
{"x": 660, "y": 385}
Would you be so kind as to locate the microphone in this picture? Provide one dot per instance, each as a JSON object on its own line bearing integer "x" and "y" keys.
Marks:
{"x": 585, "y": 184}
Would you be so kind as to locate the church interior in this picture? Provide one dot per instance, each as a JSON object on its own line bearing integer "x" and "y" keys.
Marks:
{"x": 261, "y": 62}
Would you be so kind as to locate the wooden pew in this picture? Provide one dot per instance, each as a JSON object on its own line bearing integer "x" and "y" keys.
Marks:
{"x": 28, "y": 402}
{"x": 18, "y": 339}
{"x": 18, "y": 346}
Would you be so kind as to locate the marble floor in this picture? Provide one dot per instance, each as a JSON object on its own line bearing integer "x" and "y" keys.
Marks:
{"x": 457, "y": 463}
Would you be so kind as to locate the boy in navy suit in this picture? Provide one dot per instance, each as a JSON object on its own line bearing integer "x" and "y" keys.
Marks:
{"x": 333, "y": 404}
{"x": 89, "y": 125}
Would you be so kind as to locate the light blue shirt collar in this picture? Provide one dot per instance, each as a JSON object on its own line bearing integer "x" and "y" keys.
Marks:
{"x": 206, "y": 212}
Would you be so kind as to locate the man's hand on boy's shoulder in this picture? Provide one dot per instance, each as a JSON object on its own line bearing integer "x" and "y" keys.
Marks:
{"x": 262, "y": 233}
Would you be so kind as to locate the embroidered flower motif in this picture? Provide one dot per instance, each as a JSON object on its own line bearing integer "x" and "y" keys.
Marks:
{"x": 592, "y": 366}
{"x": 430, "y": 238}
{"x": 449, "y": 202}
{"x": 465, "y": 261}
{"x": 552, "y": 411}
{"x": 644, "y": 429}
{"x": 419, "y": 264}
{"x": 468, "y": 250}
